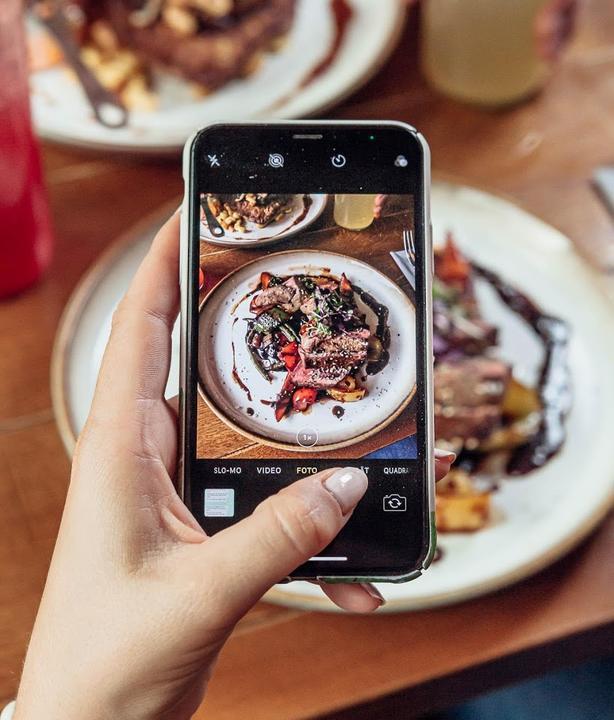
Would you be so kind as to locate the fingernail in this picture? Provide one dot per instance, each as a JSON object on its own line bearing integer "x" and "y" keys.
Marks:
{"x": 347, "y": 486}
{"x": 446, "y": 455}
{"x": 374, "y": 593}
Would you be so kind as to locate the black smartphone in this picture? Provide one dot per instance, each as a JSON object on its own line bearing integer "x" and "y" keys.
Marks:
{"x": 306, "y": 331}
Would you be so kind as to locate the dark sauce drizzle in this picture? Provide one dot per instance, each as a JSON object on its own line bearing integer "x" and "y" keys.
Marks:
{"x": 342, "y": 13}
{"x": 382, "y": 331}
{"x": 554, "y": 386}
{"x": 235, "y": 373}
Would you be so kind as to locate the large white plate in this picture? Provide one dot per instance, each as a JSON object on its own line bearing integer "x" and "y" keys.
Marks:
{"x": 222, "y": 326}
{"x": 290, "y": 224}
{"x": 539, "y": 517}
{"x": 61, "y": 112}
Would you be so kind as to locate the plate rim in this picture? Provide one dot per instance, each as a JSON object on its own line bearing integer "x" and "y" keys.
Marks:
{"x": 73, "y": 310}
{"x": 278, "y": 444}
{"x": 398, "y": 14}
{"x": 477, "y": 589}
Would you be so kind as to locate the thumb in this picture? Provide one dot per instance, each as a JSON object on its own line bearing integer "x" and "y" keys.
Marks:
{"x": 284, "y": 531}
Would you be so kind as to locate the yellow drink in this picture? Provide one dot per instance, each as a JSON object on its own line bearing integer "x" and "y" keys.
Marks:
{"x": 483, "y": 51}
{"x": 354, "y": 212}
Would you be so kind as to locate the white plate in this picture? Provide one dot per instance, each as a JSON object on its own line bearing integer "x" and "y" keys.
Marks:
{"x": 61, "y": 112}
{"x": 539, "y": 517}
{"x": 222, "y": 325}
{"x": 275, "y": 231}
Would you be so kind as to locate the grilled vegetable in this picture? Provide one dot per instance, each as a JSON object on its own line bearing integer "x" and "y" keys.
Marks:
{"x": 450, "y": 265}
{"x": 269, "y": 320}
{"x": 376, "y": 349}
{"x": 289, "y": 355}
{"x": 284, "y": 398}
{"x": 520, "y": 400}
{"x": 347, "y": 390}
{"x": 303, "y": 398}
{"x": 268, "y": 280}
{"x": 345, "y": 287}
{"x": 288, "y": 332}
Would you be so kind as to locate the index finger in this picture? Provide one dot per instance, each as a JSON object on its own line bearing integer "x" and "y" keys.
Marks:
{"x": 137, "y": 358}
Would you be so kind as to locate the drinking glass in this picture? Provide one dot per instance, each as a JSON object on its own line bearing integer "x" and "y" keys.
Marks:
{"x": 25, "y": 231}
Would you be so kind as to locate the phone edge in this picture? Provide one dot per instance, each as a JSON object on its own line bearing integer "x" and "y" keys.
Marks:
{"x": 428, "y": 276}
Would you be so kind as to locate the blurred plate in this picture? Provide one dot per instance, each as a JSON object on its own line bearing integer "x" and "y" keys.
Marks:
{"x": 538, "y": 518}
{"x": 222, "y": 327}
{"x": 61, "y": 112}
{"x": 305, "y": 210}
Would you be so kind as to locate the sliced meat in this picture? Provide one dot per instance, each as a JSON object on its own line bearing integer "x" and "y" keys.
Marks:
{"x": 211, "y": 57}
{"x": 326, "y": 376}
{"x": 468, "y": 397}
{"x": 309, "y": 341}
{"x": 294, "y": 302}
{"x": 463, "y": 422}
{"x": 275, "y": 295}
{"x": 259, "y": 208}
{"x": 308, "y": 306}
{"x": 348, "y": 350}
{"x": 471, "y": 382}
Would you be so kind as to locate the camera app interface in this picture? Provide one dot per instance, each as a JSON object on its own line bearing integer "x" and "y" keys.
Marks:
{"x": 305, "y": 340}
{"x": 307, "y": 327}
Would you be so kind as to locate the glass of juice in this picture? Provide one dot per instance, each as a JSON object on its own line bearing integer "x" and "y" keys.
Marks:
{"x": 354, "y": 212}
{"x": 25, "y": 230}
{"x": 487, "y": 52}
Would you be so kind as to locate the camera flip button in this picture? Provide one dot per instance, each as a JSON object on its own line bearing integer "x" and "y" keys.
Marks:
{"x": 395, "y": 503}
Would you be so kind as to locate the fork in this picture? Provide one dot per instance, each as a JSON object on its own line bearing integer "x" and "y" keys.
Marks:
{"x": 108, "y": 108}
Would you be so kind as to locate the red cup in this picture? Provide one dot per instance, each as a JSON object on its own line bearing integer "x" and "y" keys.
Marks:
{"x": 25, "y": 229}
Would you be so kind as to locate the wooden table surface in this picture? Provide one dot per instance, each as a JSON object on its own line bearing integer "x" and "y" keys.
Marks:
{"x": 282, "y": 663}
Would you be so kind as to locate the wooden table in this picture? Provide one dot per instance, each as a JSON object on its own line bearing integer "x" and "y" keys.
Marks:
{"x": 283, "y": 663}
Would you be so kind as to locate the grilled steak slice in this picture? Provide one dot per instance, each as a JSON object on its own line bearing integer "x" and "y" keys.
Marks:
{"x": 319, "y": 377}
{"x": 259, "y": 208}
{"x": 286, "y": 296}
{"x": 462, "y": 422}
{"x": 471, "y": 382}
{"x": 347, "y": 350}
{"x": 211, "y": 57}
{"x": 468, "y": 397}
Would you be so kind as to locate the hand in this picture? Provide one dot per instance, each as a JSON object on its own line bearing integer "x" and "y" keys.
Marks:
{"x": 378, "y": 205}
{"x": 139, "y": 601}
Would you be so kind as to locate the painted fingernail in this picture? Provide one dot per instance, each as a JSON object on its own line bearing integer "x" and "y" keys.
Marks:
{"x": 374, "y": 593}
{"x": 347, "y": 486}
{"x": 446, "y": 455}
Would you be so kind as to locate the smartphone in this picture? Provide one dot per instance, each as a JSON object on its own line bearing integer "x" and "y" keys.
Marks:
{"x": 306, "y": 331}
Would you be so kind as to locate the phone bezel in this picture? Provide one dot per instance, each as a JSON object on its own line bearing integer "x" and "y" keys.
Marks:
{"x": 191, "y": 218}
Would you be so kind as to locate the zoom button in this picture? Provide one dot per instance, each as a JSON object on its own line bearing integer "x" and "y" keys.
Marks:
{"x": 307, "y": 437}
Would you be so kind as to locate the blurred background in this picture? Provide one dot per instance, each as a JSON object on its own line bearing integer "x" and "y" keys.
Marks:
{"x": 516, "y": 617}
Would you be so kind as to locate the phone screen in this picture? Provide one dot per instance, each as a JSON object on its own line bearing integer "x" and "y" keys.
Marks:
{"x": 306, "y": 341}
